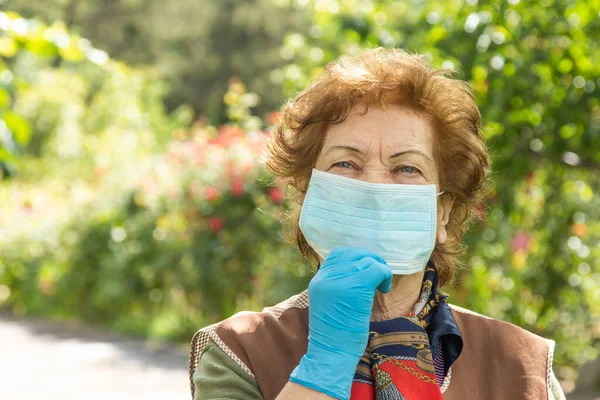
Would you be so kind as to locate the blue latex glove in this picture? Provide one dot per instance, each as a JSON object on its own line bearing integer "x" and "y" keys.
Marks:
{"x": 340, "y": 300}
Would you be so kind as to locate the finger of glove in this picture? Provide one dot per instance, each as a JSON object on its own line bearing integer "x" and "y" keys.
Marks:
{"x": 378, "y": 274}
{"x": 349, "y": 254}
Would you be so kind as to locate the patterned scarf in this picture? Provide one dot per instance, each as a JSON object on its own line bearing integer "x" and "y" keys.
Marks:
{"x": 397, "y": 364}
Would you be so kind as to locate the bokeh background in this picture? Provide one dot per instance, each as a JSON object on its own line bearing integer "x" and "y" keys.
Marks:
{"x": 132, "y": 194}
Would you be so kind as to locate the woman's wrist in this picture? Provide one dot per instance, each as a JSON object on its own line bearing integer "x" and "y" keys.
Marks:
{"x": 294, "y": 391}
{"x": 326, "y": 371}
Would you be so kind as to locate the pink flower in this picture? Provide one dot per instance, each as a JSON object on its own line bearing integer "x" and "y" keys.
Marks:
{"x": 521, "y": 241}
{"x": 275, "y": 195}
{"x": 216, "y": 224}
{"x": 211, "y": 193}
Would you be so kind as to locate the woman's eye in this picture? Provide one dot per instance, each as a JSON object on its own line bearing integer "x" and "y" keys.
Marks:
{"x": 407, "y": 169}
{"x": 343, "y": 164}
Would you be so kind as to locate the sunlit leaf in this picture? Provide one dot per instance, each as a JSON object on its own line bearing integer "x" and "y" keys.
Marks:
{"x": 8, "y": 47}
{"x": 18, "y": 125}
{"x": 4, "y": 98}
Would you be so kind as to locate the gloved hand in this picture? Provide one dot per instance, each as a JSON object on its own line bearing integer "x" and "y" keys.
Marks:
{"x": 340, "y": 298}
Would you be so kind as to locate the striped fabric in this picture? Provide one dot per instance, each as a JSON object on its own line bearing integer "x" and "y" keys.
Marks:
{"x": 438, "y": 364}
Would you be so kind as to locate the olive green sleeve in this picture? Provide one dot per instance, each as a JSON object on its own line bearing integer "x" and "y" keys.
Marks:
{"x": 218, "y": 377}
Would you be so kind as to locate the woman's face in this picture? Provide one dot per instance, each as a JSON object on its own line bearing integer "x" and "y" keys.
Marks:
{"x": 394, "y": 145}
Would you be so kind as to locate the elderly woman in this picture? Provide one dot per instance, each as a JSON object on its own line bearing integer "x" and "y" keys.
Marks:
{"x": 387, "y": 162}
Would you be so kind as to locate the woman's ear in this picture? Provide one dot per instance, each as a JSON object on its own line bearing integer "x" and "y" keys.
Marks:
{"x": 444, "y": 207}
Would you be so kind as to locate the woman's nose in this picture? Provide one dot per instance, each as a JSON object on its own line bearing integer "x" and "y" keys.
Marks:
{"x": 377, "y": 174}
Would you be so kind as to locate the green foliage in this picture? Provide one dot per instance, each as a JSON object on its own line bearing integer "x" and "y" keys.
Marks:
{"x": 58, "y": 94}
{"x": 534, "y": 66}
{"x": 195, "y": 46}
{"x": 193, "y": 243}
{"x": 151, "y": 242}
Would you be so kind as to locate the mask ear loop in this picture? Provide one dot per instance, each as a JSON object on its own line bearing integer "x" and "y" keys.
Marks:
{"x": 440, "y": 193}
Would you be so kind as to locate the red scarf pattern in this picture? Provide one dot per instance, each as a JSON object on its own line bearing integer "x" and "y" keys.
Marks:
{"x": 397, "y": 364}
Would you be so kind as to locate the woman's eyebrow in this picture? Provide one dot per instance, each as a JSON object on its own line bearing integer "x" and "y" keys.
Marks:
{"x": 411, "y": 151}
{"x": 355, "y": 150}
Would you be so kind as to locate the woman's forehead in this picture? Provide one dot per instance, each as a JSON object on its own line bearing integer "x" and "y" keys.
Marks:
{"x": 392, "y": 129}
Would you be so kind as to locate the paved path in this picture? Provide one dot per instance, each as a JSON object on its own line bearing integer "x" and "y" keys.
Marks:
{"x": 46, "y": 360}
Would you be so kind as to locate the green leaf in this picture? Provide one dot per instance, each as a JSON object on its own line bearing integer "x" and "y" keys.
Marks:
{"x": 18, "y": 125}
{"x": 4, "y": 98}
{"x": 72, "y": 52}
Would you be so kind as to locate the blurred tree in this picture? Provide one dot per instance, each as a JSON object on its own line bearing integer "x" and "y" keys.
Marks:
{"x": 50, "y": 108}
{"x": 196, "y": 46}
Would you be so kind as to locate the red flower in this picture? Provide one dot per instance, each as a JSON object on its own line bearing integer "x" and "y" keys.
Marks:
{"x": 226, "y": 135}
{"x": 211, "y": 193}
{"x": 237, "y": 186}
{"x": 275, "y": 195}
{"x": 216, "y": 224}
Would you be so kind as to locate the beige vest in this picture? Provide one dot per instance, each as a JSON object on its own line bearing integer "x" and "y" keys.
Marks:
{"x": 499, "y": 361}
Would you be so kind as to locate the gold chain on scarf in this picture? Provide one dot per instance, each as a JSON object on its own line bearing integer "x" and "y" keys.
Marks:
{"x": 410, "y": 370}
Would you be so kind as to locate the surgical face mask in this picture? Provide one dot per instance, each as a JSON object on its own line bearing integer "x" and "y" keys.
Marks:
{"x": 396, "y": 221}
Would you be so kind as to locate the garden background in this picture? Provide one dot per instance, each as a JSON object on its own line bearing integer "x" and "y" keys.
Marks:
{"x": 132, "y": 193}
